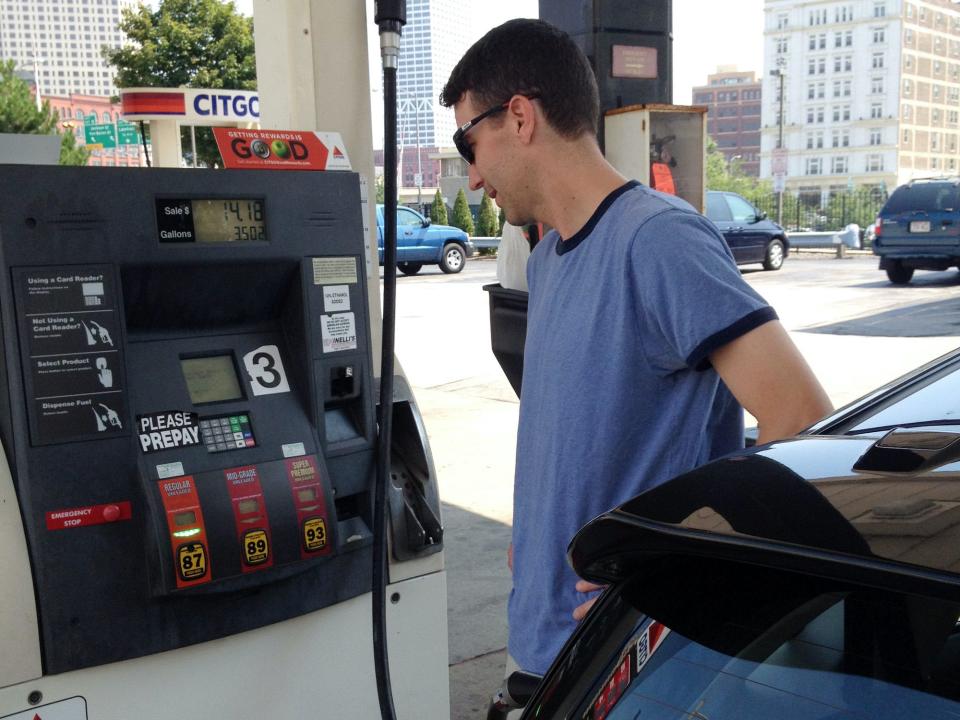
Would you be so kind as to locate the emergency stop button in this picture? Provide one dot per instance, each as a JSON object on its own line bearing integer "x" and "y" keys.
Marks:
{"x": 111, "y": 513}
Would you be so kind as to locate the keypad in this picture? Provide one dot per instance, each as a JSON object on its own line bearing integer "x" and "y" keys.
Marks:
{"x": 231, "y": 432}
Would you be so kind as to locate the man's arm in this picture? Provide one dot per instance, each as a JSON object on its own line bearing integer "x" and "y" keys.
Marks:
{"x": 770, "y": 379}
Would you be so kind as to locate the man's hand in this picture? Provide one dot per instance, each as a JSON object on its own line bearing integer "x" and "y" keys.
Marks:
{"x": 581, "y": 610}
{"x": 770, "y": 379}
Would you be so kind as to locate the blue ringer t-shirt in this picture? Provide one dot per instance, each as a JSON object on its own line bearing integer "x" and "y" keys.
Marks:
{"x": 618, "y": 391}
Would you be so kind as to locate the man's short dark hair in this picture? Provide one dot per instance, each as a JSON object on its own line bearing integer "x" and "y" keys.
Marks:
{"x": 528, "y": 57}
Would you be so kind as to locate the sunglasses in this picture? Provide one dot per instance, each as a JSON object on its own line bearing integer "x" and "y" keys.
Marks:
{"x": 459, "y": 137}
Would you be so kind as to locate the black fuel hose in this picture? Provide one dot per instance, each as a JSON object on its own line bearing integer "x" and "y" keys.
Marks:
{"x": 390, "y": 16}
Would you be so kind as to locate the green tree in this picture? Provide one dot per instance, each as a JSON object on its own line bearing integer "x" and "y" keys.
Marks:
{"x": 192, "y": 43}
{"x": 501, "y": 219}
{"x": 379, "y": 184}
{"x": 438, "y": 211}
{"x": 19, "y": 114}
{"x": 461, "y": 213}
{"x": 487, "y": 225}
{"x": 724, "y": 175}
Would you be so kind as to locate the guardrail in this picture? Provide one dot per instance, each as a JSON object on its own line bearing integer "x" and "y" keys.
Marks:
{"x": 485, "y": 243}
{"x": 848, "y": 237}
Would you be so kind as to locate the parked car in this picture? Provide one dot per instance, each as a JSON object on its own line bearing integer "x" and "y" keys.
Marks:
{"x": 420, "y": 242}
{"x": 815, "y": 577}
{"x": 751, "y": 236}
{"x": 919, "y": 228}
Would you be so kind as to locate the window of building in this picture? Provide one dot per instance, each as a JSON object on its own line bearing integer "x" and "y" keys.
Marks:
{"x": 848, "y": 38}
{"x": 876, "y": 136}
{"x": 782, "y": 46}
{"x": 879, "y": 35}
{"x": 879, "y": 9}
{"x": 877, "y": 61}
{"x": 907, "y": 111}
{"x": 874, "y": 163}
{"x": 876, "y": 111}
{"x": 839, "y": 165}
{"x": 783, "y": 21}
{"x": 906, "y": 137}
{"x": 876, "y": 86}
{"x": 907, "y": 87}
{"x": 814, "y": 166}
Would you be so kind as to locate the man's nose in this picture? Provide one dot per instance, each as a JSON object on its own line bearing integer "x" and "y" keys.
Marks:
{"x": 473, "y": 177}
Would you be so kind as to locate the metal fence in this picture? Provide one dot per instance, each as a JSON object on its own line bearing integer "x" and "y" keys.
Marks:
{"x": 809, "y": 212}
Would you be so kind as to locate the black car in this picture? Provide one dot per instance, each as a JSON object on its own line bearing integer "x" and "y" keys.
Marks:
{"x": 751, "y": 236}
{"x": 816, "y": 577}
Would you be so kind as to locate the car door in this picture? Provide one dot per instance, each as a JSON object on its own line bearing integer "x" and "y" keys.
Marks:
{"x": 719, "y": 213}
{"x": 749, "y": 237}
{"x": 410, "y": 236}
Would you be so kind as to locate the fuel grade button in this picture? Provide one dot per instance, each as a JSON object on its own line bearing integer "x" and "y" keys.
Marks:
{"x": 314, "y": 534}
{"x": 256, "y": 547}
{"x": 192, "y": 561}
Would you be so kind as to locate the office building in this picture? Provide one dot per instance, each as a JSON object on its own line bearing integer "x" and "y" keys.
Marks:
{"x": 733, "y": 100}
{"x": 60, "y": 42}
{"x": 871, "y": 92}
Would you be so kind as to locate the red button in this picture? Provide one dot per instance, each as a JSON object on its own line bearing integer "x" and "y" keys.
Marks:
{"x": 111, "y": 513}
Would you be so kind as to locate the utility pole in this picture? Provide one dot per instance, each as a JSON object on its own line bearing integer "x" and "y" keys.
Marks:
{"x": 780, "y": 73}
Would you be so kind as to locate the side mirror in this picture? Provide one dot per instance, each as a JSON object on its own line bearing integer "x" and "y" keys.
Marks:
{"x": 762, "y": 215}
{"x": 425, "y": 223}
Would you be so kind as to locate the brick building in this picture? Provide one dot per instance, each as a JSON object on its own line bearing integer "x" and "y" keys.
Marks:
{"x": 733, "y": 100}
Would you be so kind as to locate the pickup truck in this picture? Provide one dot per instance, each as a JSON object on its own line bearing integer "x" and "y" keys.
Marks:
{"x": 420, "y": 242}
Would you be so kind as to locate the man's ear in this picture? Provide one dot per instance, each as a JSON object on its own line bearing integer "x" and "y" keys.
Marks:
{"x": 523, "y": 113}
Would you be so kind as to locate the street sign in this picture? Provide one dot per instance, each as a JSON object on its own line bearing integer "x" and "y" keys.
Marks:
{"x": 779, "y": 182}
{"x": 127, "y": 133}
{"x": 100, "y": 136}
{"x": 778, "y": 161}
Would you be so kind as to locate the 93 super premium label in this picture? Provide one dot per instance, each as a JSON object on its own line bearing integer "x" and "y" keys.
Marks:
{"x": 314, "y": 534}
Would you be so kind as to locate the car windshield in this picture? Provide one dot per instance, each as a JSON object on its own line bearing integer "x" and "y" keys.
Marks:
{"x": 923, "y": 196}
{"x": 703, "y": 640}
{"x": 936, "y": 400}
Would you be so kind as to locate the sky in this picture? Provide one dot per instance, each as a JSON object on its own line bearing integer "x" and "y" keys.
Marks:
{"x": 706, "y": 33}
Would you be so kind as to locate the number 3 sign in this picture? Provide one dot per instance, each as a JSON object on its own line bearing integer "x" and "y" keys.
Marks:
{"x": 266, "y": 371}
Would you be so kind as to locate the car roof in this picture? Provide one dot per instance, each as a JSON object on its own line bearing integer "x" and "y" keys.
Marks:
{"x": 823, "y": 505}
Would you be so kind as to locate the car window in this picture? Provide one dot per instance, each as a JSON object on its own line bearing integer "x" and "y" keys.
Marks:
{"x": 741, "y": 210}
{"x": 717, "y": 209}
{"x": 704, "y": 640}
{"x": 408, "y": 217}
{"x": 937, "y": 398}
{"x": 923, "y": 196}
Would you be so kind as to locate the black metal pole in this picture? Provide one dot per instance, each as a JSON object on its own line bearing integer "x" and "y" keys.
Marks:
{"x": 780, "y": 147}
{"x": 390, "y": 16}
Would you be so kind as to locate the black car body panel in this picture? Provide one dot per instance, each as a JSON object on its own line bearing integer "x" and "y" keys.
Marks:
{"x": 809, "y": 578}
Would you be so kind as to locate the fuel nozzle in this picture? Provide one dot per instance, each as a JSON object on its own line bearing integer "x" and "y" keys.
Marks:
{"x": 390, "y": 16}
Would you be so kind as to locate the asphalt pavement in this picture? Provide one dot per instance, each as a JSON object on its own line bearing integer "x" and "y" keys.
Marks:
{"x": 856, "y": 330}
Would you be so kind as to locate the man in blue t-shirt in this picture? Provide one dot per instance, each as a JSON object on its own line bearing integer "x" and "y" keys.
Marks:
{"x": 643, "y": 341}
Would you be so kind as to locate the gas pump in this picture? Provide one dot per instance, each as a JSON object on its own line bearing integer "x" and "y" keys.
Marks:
{"x": 187, "y": 409}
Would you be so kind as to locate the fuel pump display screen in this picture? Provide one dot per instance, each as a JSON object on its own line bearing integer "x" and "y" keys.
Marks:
{"x": 211, "y": 379}
{"x": 247, "y": 506}
{"x": 233, "y": 220}
{"x": 211, "y": 220}
{"x": 187, "y": 517}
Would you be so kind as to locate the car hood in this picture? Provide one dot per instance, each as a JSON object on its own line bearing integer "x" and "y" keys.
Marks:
{"x": 885, "y": 507}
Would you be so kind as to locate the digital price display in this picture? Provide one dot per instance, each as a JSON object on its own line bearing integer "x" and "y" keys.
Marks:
{"x": 208, "y": 220}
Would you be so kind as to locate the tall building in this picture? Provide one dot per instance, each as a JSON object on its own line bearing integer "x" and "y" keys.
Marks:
{"x": 733, "y": 102}
{"x": 60, "y": 42}
{"x": 433, "y": 40}
{"x": 871, "y": 92}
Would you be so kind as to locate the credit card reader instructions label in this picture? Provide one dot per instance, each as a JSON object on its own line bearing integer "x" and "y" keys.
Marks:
{"x": 69, "y": 324}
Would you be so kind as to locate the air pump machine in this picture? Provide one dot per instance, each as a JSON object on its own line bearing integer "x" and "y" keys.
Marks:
{"x": 187, "y": 406}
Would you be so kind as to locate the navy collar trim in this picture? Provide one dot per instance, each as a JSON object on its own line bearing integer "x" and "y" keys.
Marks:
{"x": 565, "y": 246}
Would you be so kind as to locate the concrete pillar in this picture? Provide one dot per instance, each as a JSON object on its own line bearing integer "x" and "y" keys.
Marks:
{"x": 165, "y": 143}
{"x": 313, "y": 74}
